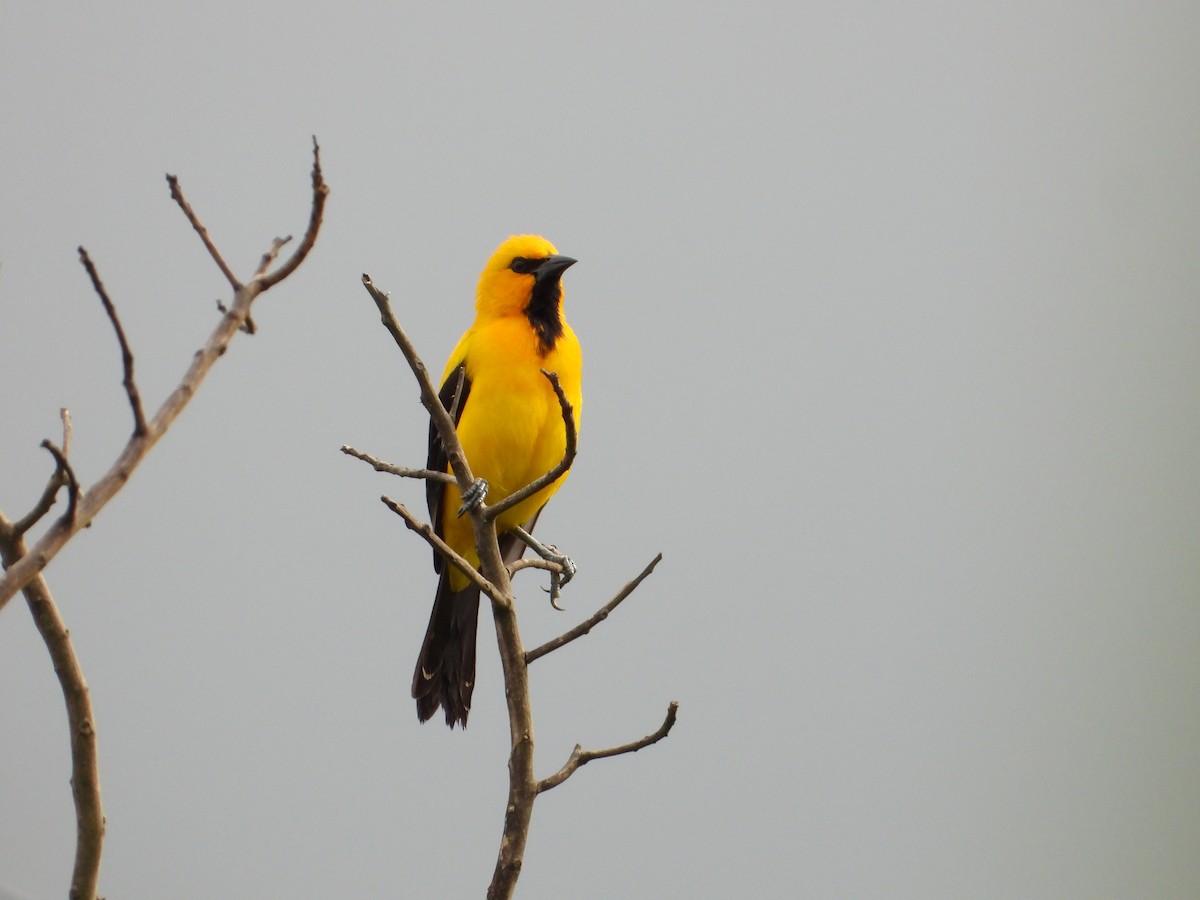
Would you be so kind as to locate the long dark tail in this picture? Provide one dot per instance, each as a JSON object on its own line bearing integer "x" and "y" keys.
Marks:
{"x": 445, "y": 673}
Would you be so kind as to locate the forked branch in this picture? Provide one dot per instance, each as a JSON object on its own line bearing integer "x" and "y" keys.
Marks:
{"x": 315, "y": 217}
{"x": 63, "y": 470}
{"x": 63, "y": 475}
{"x": 580, "y": 757}
{"x": 493, "y": 578}
{"x": 447, "y": 552}
{"x": 388, "y": 468}
{"x": 85, "y": 778}
{"x": 24, "y": 570}
{"x": 486, "y": 543}
{"x": 24, "y": 565}
{"x": 429, "y": 394}
{"x": 595, "y": 619}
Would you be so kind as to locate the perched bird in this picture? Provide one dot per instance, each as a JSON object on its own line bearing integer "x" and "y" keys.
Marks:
{"x": 511, "y": 428}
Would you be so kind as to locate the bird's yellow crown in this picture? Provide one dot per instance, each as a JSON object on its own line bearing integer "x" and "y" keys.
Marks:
{"x": 501, "y": 291}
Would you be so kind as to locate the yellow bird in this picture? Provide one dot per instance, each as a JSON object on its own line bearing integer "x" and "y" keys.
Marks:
{"x": 511, "y": 428}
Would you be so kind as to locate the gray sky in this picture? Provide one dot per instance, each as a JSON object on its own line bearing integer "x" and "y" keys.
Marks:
{"x": 891, "y": 321}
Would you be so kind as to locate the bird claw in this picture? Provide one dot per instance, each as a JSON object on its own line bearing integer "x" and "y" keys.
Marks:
{"x": 565, "y": 562}
{"x": 558, "y": 579}
{"x": 565, "y": 567}
{"x": 473, "y": 496}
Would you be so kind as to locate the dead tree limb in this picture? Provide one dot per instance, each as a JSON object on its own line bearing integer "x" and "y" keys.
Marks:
{"x": 131, "y": 391}
{"x": 596, "y": 618}
{"x": 580, "y": 757}
{"x": 85, "y": 770}
{"x": 388, "y": 468}
{"x": 24, "y": 565}
{"x": 21, "y": 572}
{"x": 493, "y": 579}
{"x": 426, "y": 531}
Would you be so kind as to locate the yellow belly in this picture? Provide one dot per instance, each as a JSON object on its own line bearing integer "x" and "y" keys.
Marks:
{"x": 511, "y": 428}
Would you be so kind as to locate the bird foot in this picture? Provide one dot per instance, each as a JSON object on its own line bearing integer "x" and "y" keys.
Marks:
{"x": 558, "y": 580}
{"x": 473, "y": 496}
{"x": 551, "y": 554}
{"x": 565, "y": 562}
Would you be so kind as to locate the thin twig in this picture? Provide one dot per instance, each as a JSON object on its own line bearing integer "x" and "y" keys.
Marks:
{"x": 54, "y": 483}
{"x": 595, "y": 619}
{"x": 580, "y": 757}
{"x": 431, "y": 537}
{"x": 388, "y": 468}
{"x": 268, "y": 258}
{"x": 532, "y": 562}
{"x": 177, "y": 196}
{"x": 429, "y": 394}
{"x": 60, "y": 461}
{"x": 85, "y": 778}
{"x": 271, "y": 255}
{"x": 568, "y": 416}
{"x": 49, "y": 496}
{"x": 320, "y": 193}
{"x": 554, "y": 568}
{"x": 131, "y": 391}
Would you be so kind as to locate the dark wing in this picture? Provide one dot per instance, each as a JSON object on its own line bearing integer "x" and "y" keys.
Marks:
{"x": 453, "y": 395}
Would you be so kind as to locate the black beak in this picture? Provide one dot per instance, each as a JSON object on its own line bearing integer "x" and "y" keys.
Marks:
{"x": 552, "y": 267}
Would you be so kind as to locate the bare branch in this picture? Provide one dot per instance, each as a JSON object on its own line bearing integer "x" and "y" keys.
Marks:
{"x": 429, "y": 394}
{"x": 568, "y": 415}
{"x": 65, "y": 415}
{"x": 24, "y": 570}
{"x": 131, "y": 391}
{"x": 45, "y": 502}
{"x": 491, "y": 564}
{"x": 532, "y": 562}
{"x": 580, "y": 757}
{"x": 49, "y": 496}
{"x": 555, "y": 569}
{"x": 595, "y": 619}
{"x": 270, "y": 256}
{"x": 320, "y": 193}
{"x": 53, "y": 484}
{"x": 431, "y": 537}
{"x": 68, "y": 474}
{"x": 494, "y": 578}
{"x": 521, "y": 781}
{"x": 85, "y": 779}
{"x": 388, "y": 468}
{"x": 177, "y": 196}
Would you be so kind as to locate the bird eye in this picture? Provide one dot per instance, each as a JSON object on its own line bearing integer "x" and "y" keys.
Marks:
{"x": 523, "y": 266}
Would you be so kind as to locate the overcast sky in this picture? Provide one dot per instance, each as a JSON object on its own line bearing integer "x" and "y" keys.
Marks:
{"x": 891, "y": 325}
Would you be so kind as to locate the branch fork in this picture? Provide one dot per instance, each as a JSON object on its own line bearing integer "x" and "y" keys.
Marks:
{"x": 493, "y": 578}
{"x": 24, "y": 565}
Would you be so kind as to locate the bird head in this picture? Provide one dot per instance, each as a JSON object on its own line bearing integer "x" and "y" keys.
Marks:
{"x": 522, "y": 278}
